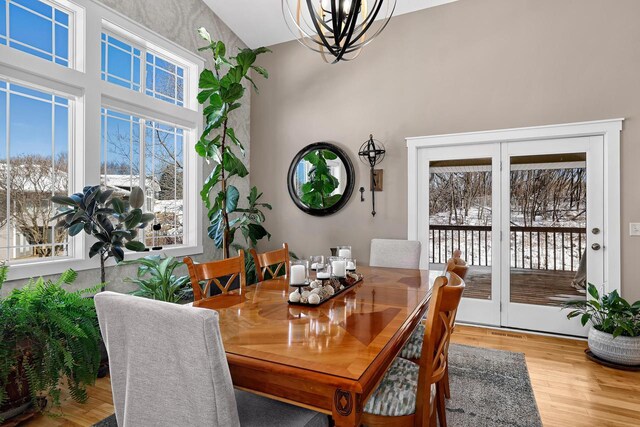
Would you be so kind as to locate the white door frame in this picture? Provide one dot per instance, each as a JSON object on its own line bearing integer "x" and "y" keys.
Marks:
{"x": 551, "y": 318}
{"x": 472, "y": 310}
{"x": 608, "y": 129}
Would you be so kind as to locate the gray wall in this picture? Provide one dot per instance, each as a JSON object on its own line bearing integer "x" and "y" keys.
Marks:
{"x": 177, "y": 20}
{"x": 466, "y": 66}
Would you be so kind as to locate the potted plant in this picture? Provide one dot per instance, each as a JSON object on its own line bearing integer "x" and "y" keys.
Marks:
{"x": 221, "y": 90}
{"x": 107, "y": 218}
{"x": 111, "y": 221}
{"x": 155, "y": 279}
{"x": 615, "y": 332}
{"x": 47, "y": 335}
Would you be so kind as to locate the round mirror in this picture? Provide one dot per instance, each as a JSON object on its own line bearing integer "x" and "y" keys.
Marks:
{"x": 321, "y": 179}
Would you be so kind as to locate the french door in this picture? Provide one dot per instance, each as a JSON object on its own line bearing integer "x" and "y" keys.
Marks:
{"x": 526, "y": 216}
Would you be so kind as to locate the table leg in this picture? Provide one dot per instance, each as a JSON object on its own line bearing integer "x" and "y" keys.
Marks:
{"x": 347, "y": 408}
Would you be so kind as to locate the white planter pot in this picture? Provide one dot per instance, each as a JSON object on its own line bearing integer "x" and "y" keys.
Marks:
{"x": 621, "y": 350}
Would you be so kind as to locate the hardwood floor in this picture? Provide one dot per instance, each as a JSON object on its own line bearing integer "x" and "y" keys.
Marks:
{"x": 569, "y": 389}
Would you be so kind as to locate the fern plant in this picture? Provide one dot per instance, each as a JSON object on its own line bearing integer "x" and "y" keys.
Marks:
{"x": 155, "y": 279}
{"x": 48, "y": 334}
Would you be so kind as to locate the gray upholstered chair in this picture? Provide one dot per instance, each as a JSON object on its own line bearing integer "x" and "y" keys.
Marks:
{"x": 168, "y": 368}
{"x": 394, "y": 253}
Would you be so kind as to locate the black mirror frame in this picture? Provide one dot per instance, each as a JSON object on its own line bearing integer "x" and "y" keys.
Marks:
{"x": 348, "y": 189}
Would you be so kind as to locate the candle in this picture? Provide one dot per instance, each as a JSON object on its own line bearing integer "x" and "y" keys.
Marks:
{"x": 344, "y": 253}
{"x": 351, "y": 266}
{"x": 297, "y": 274}
{"x": 323, "y": 275}
{"x": 339, "y": 268}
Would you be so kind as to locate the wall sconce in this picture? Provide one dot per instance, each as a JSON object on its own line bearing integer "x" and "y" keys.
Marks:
{"x": 372, "y": 153}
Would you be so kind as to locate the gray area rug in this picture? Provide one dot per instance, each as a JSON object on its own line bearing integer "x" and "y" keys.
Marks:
{"x": 489, "y": 388}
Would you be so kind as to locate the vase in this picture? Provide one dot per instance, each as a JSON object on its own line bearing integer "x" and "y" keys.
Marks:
{"x": 620, "y": 350}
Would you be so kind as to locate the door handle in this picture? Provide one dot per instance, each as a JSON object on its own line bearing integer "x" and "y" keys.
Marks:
{"x": 596, "y": 246}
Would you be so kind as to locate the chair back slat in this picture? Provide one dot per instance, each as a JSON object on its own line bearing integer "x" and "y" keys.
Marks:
{"x": 210, "y": 274}
{"x": 272, "y": 262}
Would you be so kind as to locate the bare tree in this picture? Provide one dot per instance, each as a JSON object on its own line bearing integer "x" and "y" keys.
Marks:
{"x": 26, "y": 186}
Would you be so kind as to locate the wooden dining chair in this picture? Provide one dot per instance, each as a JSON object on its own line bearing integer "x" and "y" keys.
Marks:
{"x": 210, "y": 273}
{"x": 411, "y": 394}
{"x": 271, "y": 262}
{"x": 413, "y": 348}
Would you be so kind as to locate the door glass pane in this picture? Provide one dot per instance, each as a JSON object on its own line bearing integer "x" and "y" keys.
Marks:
{"x": 548, "y": 228}
{"x": 460, "y": 219}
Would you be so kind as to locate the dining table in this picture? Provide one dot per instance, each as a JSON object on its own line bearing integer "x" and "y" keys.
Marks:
{"x": 329, "y": 357}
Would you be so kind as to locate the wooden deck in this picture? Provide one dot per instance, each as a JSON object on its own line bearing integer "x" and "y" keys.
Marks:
{"x": 538, "y": 287}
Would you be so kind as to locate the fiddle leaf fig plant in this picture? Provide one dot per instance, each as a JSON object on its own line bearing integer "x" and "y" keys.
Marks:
{"x": 107, "y": 218}
{"x": 317, "y": 192}
{"x": 221, "y": 90}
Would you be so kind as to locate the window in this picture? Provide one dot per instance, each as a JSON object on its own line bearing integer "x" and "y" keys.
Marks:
{"x": 35, "y": 27}
{"x": 160, "y": 156}
{"x": 34, "y": 162}
{"x": 163, "y": 79}
{"x": 120, "y": 63}
{"x": 135, "y": 125}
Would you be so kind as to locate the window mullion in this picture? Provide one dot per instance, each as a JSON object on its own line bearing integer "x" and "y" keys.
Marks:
{"x": 8, "y": 165}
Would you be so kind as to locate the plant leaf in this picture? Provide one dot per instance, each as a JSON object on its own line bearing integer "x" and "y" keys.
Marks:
{"x": 135, "y": 245}
{"x": 136, "y": 198}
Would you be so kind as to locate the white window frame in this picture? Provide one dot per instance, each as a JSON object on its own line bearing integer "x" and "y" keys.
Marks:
{"x": 82, "y": 83}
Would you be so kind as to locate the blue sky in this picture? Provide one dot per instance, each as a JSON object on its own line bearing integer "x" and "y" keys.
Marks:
{"x": 40, "y": 30}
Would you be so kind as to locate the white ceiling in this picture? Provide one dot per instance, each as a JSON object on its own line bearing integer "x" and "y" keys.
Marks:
{"x": 260, "y": 22}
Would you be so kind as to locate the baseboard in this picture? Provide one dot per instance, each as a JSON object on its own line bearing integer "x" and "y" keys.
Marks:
{"x": 524, "y": 331}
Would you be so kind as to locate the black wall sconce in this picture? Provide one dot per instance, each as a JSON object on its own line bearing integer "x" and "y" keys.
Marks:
{"x": 372, "y": 153}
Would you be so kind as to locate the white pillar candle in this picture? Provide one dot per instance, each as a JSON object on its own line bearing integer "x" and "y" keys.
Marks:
{"x": 323, "y": 275}
{"x": 344, "y": 253}
{"x": 297, "y": 274}
{"x": 339, "y": 268}
{"x": 351, "y": 266}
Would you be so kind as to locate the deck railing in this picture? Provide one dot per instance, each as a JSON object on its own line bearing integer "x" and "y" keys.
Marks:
{"x": 534, "y": 248}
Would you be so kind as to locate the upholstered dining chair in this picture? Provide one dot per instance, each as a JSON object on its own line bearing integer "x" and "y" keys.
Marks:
{"x": 169, "y": 368}
{"x": 411, "y": 394}
{"x": 271, "y": 262}
{"x": 394, "y": 253}
{"x": 413, "y": 348}
{"x": 211, "y": 272}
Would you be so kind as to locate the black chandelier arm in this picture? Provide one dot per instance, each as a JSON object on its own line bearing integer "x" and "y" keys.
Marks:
{"x": 336, "y": 30}
{"x": 349, "y": 25}
{"x": 377, "y": 6}
{"x": 351, "y": 22}
{"x": 319, "y": 30}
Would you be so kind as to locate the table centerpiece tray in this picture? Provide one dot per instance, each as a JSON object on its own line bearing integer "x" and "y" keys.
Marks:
{"x": 339, "y": 286}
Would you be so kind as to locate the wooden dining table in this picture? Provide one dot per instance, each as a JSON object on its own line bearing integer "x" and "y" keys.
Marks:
{"x": 328, "y": 358}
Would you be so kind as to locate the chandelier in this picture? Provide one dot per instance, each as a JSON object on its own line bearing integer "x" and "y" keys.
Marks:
{"x": 337, "y": 29}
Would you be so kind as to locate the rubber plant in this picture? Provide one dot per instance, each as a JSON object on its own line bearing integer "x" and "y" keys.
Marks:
{"x": 317, "y": 192}
{"x": 106, "y": 217}
{"x": 221, "y": 90}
